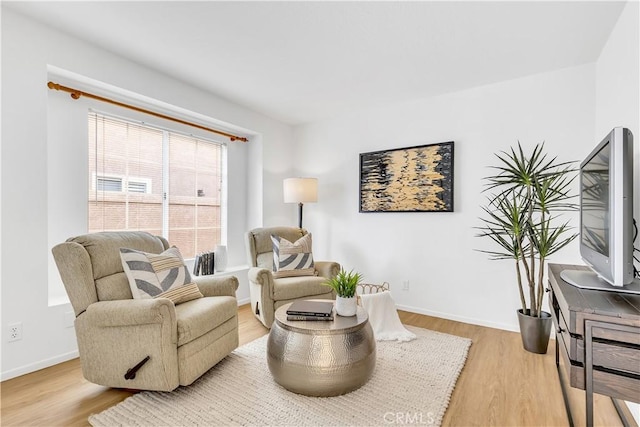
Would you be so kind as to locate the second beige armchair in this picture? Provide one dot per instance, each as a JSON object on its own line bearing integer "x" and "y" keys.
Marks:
{"x": 268, "y": 293}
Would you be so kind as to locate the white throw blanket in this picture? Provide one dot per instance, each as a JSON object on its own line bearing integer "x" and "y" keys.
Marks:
{"x": 384, "y": 318}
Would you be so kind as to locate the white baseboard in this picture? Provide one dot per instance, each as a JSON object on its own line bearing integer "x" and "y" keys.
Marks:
{"x": 27, "y": 369}
{"x": 244, "y": 301}
{"x": 463, "y": 319}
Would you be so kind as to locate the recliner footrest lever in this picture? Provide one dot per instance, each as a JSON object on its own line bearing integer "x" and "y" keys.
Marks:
{"x": 131, "y": 373}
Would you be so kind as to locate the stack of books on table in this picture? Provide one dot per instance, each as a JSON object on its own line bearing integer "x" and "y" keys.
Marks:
{"x": 310, "y": 310}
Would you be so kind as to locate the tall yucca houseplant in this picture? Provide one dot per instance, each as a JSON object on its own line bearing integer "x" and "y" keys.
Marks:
{"x": 521, "y": 216}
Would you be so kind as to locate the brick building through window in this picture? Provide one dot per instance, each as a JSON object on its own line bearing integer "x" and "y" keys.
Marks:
{"x": 156, "y": 180}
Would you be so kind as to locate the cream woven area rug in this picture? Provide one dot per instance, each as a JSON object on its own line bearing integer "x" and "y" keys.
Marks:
{"x": 411, "y": 384}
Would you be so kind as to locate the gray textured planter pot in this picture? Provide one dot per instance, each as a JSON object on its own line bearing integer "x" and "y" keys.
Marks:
{"x": 535, "y": 331}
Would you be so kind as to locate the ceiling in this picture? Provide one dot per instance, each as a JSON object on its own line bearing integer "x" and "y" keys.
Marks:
{"x": 305, "y": 61}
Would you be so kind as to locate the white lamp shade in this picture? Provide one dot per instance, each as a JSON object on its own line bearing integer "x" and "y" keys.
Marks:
{"x": 300, "y": 190}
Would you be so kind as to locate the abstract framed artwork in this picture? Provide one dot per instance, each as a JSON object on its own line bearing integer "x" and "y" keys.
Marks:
{"x": 411, "y": 179}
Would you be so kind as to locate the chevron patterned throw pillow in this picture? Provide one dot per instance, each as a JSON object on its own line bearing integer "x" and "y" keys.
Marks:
{"x": 292, "y": 259}
{"x": 159, "y": 275}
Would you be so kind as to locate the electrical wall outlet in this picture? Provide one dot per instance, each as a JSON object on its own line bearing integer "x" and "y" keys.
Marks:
{"x": 405, "y": 285}
{"x": 15, "y": 331}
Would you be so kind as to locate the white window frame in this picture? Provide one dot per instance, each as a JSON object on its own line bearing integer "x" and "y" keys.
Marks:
{"x": 165, "y": 170}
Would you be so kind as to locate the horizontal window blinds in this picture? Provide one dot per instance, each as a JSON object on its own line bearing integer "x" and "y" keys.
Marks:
{"x": 155, "y": 180}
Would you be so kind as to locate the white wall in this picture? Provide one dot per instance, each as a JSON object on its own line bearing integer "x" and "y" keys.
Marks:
{"x": 435, "y": 251}
{"x": 618, "y": 85}
{"x": 618, "y": 96}
{"x": 28, "y": 217}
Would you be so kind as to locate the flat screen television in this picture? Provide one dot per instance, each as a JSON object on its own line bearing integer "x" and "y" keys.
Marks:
{"x": 606, "y": 216}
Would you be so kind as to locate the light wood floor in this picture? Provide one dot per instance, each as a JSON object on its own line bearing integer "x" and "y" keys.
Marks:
{"x": 500, "y": 385}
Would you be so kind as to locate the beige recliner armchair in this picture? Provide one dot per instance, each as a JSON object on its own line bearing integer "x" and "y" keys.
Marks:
{"x": 268, "y": 293}
{"x": 116, "y": 332}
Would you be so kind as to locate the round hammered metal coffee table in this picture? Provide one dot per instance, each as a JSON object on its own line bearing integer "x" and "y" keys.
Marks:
{"x": 321, "y": 358}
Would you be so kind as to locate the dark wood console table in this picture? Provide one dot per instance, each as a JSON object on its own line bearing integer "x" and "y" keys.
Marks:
{"x": 598, "y": 337}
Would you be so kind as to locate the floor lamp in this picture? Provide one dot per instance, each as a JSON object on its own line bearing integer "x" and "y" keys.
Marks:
{"x": 300, "y": 190}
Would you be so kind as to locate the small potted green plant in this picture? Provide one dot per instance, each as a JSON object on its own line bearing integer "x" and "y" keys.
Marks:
{"x": 344, "y": 284}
